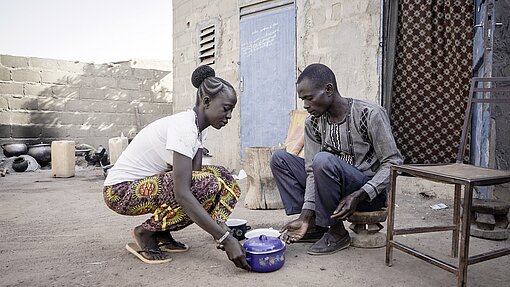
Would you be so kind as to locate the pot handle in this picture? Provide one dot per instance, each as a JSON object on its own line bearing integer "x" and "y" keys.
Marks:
{"x": 248, "y": 227}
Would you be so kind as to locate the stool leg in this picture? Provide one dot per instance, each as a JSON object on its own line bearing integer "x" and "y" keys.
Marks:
{"x": 464, "y": 235}
{"x": 456, "y": 221}
{"x": 391, "y": 216}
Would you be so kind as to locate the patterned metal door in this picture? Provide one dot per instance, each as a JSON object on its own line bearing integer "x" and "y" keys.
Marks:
{"x": 267, "y": 75}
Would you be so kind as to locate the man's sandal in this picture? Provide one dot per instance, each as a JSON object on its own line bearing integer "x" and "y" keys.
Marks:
{"x": 134, "y": 249}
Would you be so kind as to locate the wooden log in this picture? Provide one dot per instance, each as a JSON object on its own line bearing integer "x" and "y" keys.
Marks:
{"x": 262, "y": 191}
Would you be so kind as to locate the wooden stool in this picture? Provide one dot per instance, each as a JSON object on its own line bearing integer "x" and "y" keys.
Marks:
{"x": 262, "y": 191}
{"x": 366, "y": 227}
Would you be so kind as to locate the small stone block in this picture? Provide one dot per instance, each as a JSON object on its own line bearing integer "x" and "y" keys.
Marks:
{"x": 373, "y": 228}
{"x": 485, "y": 218}
{"x": 501, "y": 221}
{"x": 357, "y": 228}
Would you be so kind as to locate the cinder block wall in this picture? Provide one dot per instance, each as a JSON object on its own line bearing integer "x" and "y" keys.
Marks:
{"x": 47, "y": 99}
{"x": 341, "y": 34}
{"x": 189, "y": 17}
{"x": 345, "y": 36}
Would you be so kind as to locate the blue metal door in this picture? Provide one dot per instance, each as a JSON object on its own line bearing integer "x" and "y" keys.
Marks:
{"x": 268, "y": 78}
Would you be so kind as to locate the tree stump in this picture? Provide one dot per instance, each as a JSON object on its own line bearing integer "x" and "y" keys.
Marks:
{"x": 262, "y": 191}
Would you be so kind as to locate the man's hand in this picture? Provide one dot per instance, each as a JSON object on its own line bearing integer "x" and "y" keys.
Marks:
{"x": 297, "y": 228}
{"x": 348, "y": 204}
{"x": 235, "y": 252}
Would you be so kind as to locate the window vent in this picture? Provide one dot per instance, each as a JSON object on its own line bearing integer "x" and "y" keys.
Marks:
{"x": 207, "y": 48}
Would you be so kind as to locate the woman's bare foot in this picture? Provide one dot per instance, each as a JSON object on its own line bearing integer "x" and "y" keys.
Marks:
{"x": 146, "y": 240}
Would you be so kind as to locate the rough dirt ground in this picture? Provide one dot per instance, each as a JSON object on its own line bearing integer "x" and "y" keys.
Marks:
{"x": 58, "y": 232}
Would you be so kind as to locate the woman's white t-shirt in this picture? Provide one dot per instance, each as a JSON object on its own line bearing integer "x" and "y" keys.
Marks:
{"x": 152, "y": 149}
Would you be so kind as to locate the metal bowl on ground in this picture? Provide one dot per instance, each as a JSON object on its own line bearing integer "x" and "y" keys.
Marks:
{"x": 41, "y": 153}
{"x": 14, "y": 149}
{"x": 19, "y": 164}
{"x": 262, "y": 231}
{"x": 265, "y": 253}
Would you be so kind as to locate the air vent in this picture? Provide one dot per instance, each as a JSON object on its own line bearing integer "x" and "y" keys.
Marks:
{"x": 207, "y": 48}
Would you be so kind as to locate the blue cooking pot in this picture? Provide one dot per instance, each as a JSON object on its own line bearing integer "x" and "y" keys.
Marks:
{"x": 265, "y": 253}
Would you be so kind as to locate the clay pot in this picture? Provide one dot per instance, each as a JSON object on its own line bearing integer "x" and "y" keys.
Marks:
{"x": 20, "y": 164}
{"x": 41, "y": 153}
{"x": 14, "y": 149}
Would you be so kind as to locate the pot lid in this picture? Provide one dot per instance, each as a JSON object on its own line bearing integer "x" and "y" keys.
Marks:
{"x": 41, "y": 144}
{"x": 263, "y": 244}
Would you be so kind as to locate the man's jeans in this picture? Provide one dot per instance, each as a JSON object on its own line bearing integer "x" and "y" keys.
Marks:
{"x": 334, "y": 179}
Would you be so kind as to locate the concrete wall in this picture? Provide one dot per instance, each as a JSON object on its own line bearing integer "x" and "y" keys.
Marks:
{"x": 189, "y": 17}
{"x": 341, "y": 34}
{"x": 501, "y": 113}
{"x": 47, "y": 99}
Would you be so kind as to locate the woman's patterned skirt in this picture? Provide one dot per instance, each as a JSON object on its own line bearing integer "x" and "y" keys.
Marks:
{"x": 213, "y": 186}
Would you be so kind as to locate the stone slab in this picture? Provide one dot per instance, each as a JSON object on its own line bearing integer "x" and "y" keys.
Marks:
{"x": 496, "y": 234}
{"x": 490, "y": 206}
{"x": 376, "y": 240}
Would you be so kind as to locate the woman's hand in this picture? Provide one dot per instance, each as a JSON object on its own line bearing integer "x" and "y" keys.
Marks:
{"x": 235, "y": 252}
{"x": 197, "y": 213}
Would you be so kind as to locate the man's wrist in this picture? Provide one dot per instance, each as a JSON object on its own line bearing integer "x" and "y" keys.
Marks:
{"x": 307, "y": 215}
{"x": 361, "y": 195}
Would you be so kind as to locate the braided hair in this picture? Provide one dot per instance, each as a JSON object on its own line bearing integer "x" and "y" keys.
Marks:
{"x": 319, "y": 74}
{"x": 205, "y": 80}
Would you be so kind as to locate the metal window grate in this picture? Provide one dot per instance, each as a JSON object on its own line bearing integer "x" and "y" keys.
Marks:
{"x": 206, "y": 51}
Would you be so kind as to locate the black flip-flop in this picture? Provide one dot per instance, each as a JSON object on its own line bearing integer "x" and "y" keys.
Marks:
{"x": 173, "y": 246}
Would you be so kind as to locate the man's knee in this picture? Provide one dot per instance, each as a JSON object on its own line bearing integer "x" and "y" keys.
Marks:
{"x": 278, "y": 157}
{"x": 322, "y": 161}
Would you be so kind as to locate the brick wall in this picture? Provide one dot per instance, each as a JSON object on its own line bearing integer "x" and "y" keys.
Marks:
{"x": 47, "y": 99}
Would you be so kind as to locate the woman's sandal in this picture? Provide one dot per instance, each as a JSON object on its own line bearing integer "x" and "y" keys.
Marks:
{"x": 134, "y": 249}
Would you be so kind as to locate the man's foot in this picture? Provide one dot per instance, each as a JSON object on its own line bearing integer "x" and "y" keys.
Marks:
{"x": 146, "y": 241}
{"x": 329, "y": 244}
{"x": 313, "y": 234}
{"x": 169, "y": 244}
